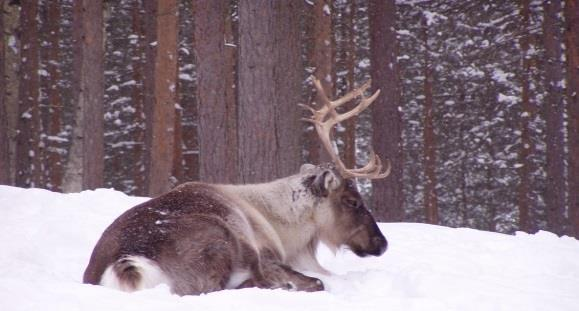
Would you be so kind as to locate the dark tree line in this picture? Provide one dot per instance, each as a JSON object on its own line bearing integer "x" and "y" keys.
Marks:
{"x": 478, "y": 111}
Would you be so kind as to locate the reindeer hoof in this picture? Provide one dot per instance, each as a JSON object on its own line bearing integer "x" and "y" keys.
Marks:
{"x": 315, "y": 286}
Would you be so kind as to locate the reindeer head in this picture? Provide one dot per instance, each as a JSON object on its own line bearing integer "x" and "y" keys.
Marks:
{"x": 349, "y": 222}
{"x": 341, "y": 213}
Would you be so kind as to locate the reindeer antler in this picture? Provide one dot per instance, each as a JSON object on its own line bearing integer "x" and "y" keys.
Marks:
{"x": 326, "y": 117}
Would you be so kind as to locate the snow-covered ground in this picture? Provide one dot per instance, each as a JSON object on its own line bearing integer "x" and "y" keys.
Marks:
{"x": 46, "y": 239}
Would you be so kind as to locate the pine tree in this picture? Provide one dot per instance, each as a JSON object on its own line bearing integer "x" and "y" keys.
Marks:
{"x": 269, "y": 89}
{"x": 11, "y": 61}
{"x": 4, "y": 129}
{"x": 217, "y": 108}
{"x": 572, "y": 57}
{"x": 555, "y": 187}
{"x": 387, "y": 197}
{"x": 28, "y": 151}
{"x": 53, "y": 128}
{"x": 160, "y": 97}
{"x": 85, "y": 165}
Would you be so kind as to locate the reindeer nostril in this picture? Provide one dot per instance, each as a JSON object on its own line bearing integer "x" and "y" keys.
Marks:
{"x": 381, "y": 243}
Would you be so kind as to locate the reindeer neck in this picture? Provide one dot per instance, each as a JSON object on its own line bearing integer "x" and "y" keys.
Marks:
{"x": 287, "y": 206}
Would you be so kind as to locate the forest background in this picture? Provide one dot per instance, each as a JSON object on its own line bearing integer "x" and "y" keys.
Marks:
{"x": 478, "y": 113}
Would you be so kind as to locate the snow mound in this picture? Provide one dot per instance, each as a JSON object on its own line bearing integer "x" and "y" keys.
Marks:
{"x": 47, "y": 239}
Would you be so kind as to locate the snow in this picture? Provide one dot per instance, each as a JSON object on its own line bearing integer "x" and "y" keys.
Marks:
{"x": 186, "y": 77}
{"x": 326, "y": 9}
{"x": 26, "y": 115}
{"x": 47, "y": 239}
{"x": 502, "y": 98}
{"x": 432, "y": 16}
{"x": 119, "y": 101}
{"x": 501, "y": 76}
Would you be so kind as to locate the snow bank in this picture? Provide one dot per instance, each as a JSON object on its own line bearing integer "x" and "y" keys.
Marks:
{"x": 47, "y": 239}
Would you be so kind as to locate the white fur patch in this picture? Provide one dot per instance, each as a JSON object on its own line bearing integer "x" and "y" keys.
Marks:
{"x": 151, "y": 275}
{"x": 237, "y": 277}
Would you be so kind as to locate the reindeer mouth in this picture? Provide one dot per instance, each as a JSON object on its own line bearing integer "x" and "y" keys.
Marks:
{"x": 377, "y": 251}
{"x": 375, "y": 247}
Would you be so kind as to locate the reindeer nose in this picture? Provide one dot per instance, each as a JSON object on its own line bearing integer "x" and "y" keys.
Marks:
{"x": 380, "y": 243}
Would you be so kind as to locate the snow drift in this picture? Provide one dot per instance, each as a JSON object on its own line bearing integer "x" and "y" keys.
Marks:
{"x": 47, "y": 239}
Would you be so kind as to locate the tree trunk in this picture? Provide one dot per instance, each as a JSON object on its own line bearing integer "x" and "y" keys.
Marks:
{"x": 4, "y": 129}
{"x": 85, "y": 165}
{"x": 11, "y": 63}
{"x": 218, "y": 158}
{"x": 187, "y": 94}
{"x": 387, "y": 195}
{"x": 430, "y": 197}
{"x": 322, "y": 59}
{"x": 464, "y": 205}
{"x": 572, "y": 44}
{"x": 269, "y": 89}
{"x": 555, "y": 187}
{"x": 28, "y": 157}
{"x": 160, "y": 97}
{"x": 137, "y": 97}
{"x": 177, "y": 170}
{"x": 350, "y": 124}
{"x": 524, "y": 119}
{"x": 53, "y": 158}
{"x": 231, "y": 40}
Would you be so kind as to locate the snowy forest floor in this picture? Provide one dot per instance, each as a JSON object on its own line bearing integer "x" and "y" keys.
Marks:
{"x": 47, "y": 239}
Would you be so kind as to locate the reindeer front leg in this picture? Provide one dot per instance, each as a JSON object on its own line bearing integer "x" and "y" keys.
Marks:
{"x": 269, "y": 272}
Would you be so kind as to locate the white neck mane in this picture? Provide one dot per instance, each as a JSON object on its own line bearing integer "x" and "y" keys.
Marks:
{"x": 288, "y": 207}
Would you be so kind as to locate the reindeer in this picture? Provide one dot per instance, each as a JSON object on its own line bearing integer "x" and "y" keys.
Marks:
{"x": 199, "y": 237}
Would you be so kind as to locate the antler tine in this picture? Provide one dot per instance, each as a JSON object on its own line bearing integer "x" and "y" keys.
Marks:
{"x": 310, "y": 109}
{"x": 372, "y": 170}
{"x": 326, "y": 117}
{"x": 367, "y": 101}
{"x": 352, "y": 94}
{"x": 333, "y": 104}
{"x": 320, "y": 90}
{"x": 370, "y": 167}
{"x": 323, "y": 130}
{"x": 377, "y": 174}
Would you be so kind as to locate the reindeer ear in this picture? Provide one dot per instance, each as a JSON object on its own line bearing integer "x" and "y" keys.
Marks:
{"x": 325, "y": 182}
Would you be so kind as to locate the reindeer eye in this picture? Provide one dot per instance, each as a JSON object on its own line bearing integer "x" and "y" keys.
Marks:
{"x": 350, "y": 202}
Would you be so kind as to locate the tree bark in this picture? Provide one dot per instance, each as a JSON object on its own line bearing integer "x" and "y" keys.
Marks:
{"x": 160, "y": 97}
{"x": 555, "y": 187}
{"x": 187, "y": 94}
{"x": 178, "y": 167}
{"x": 572, "y": 48}
{"x": 350, "y": 124}
{"x": 269, "y": 89}
{"x": 322, "y": 60}
{"x": 177, "y": 172}
{"x": 524, "y": 119}
{"x": 85, "y": 165}
{"x": 4, "y": 129}
{"x": 28, "y": 157}
{"x": 218, "y": 158}
{"x": 137, "y": 97}
{"x": 430, "y": 197}
{"x": 387, "y": 199}
{"x": 11, "y": 62}
{"x": 53, "y": 157}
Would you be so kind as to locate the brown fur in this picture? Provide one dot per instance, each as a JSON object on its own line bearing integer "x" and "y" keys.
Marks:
{"x": 201, "y": 236}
